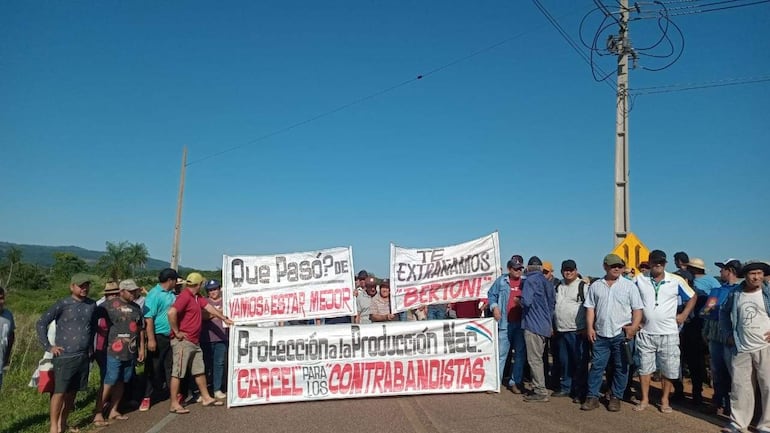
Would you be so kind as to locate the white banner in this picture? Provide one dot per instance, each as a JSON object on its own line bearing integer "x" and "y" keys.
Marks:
{"x": 425, "y": 276}
{"x": 295, "y": 286}
{"x": 297, "y": 363}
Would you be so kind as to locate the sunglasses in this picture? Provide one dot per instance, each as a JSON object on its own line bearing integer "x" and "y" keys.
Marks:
{"x": 546, "y": 271}
{"x": 617, "y": 266}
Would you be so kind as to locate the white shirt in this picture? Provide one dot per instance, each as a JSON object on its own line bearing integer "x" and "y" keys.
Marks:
{"x": 750, "y": 321}
{"x": 660, "y": 301}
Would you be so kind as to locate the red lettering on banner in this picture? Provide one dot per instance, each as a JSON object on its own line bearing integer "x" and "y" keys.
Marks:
{"x": 331, "y": 299}
{"x": 265, "y": 383}
{"x": 442, "y": 292}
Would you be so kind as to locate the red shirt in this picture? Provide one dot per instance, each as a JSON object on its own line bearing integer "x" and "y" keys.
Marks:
{"x": 468, "y": 309}
{"x": 188, "y": 312}
{"x": 514, "y": 308}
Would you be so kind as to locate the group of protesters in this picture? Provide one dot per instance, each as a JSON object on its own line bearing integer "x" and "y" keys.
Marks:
{"x": 175, "y": 331}
{"x": 573, "y": 337}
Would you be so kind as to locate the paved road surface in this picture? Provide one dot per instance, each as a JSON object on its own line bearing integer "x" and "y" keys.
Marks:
{"x": 419, "y": 414}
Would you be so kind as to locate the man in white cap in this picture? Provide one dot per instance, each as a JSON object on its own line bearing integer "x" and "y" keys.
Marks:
{"x": 745, "y": 319}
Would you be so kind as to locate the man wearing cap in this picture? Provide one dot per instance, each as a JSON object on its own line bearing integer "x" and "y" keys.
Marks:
{"x": 720, "y": 354}
{"x": 364, "y": 300}
{"x": 215, "y": 341}
{"x": 157, "y": 369}
{"x": 125, "y": 344}
{"x": 185, "y": 319}
{"x": 361, "y": 282}
{"x": 538, "y": 301}
{"x": 658, "y": 341}
{"x": 692, "y": 343}
{"x": 744, "y": 319}
{"x": 504, "y": 301}
{"x": 613, "y": 314}
{"x": 570, "y": 338}
{"x": 111, "y": 290}
{"x": 75, "y": 326}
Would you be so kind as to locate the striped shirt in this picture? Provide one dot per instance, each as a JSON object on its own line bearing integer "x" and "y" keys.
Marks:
{"x": 612, "y": 305}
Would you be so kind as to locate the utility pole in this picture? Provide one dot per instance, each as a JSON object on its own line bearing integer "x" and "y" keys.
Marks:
{"x": 622, "y": 47}
{"x": 178, "y": 225}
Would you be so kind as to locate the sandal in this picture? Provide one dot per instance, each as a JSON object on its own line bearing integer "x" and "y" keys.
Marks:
{"x": 641, "y": 406}
{"x": 180, "y": 411}
{"x": 119, "y": 417}
{"x": 101, "y": 423}
{"x": 213, "y": 403}
{"x": 730, "y": 428}
{"x": 666, "y": 409}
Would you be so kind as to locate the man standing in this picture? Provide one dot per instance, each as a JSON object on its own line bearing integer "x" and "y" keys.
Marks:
{"x": 745, "y": 320}
{"x": 364, "y": 300}
{"x": 7, "y": 336}
{"x": 538, "y": 301}
{"x": 158, "y": 365}
{"x": 504, "y": 300}
{"x": 720, "y": 354}
{"x": 185, "y": 319}
{"x": 570, "y": 339}
{"x": 613, "y": 314}
{"x": 75, "y": 326}
{"x": 658, "y": 341}
{"x": 125, "y": 344}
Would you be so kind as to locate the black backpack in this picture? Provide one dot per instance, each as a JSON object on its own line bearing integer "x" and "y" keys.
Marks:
{"x": 581, "y": 297}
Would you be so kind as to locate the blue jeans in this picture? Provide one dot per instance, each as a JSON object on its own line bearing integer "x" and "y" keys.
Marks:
{"x": 604, "y": 350}
{"x": 720, "y": 371}
{"x": 513, "y": 338}
{"x": 573, "y": 362}
{"x": 215, "y": 357}
{"x": 436, "y": 312}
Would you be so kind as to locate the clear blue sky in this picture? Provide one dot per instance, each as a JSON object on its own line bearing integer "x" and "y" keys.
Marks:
{"x": 98, "y": 99}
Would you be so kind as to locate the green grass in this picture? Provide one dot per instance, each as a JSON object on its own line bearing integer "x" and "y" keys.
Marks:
{"x": 23, "y": 409}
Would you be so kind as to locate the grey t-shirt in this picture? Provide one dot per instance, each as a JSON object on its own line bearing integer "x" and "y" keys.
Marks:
{"x": 75, "y": 325}
{"x": 364, "y": 306}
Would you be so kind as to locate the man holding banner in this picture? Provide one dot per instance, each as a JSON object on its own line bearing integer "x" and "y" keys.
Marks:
{"x": 504, "y": 297}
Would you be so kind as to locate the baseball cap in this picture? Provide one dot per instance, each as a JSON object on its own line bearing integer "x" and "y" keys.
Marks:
{"x": 129, "y": 285}
{"x": 658, "y": 256}
{"x": 370, "y": 282}
{"x": 731, "y": 263}
{"x": 548, "y": 266}
{"x": 534, "y": 261}
{"x": 385, "y": 283}
{"x": 167, "y": 274}
{"x": 81, "y": 278}
{"x": 613, "y": 259}
{"x": 568, "y": 265}
{"x": 362, "y": 275}
{"x": 516, "y": 262}
{"x": 193, "y": 279}
{"x": 213, "y": 285}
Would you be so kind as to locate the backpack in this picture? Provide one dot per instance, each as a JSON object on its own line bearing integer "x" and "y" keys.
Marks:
{"x": 581, "y": 297}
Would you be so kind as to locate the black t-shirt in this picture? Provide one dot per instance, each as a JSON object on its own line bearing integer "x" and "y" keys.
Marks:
{"x": 125, "y": 321}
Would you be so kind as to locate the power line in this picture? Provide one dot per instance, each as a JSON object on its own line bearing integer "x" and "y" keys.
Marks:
{"x": 670, "y": 88}
{"x": 698, "y": 8}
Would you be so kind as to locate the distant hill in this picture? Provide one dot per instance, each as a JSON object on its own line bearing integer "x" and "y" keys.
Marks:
{"x": 43, "y": 255}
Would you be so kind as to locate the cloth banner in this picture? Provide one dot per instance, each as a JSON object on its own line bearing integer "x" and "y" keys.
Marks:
{"x": 426, "y": 276}
{"x": 295, "y": 286}
{"x": 298, "y": 363}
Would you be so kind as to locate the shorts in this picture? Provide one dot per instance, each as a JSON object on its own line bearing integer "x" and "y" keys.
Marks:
{"x": 118, "y": 371}
{"x": 70, "y": 374}
{"x": 186, "y": 356}
{"x": 658, "y": 351}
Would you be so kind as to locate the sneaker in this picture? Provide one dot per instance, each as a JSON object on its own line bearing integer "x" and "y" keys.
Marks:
{"x": 614, "y": 404}
{"x": 199, "y": 399}
{"x": 591, "y": 403}
{"x": 516, "y": 389}
{"x": 145, "y": 406}
{"x": 536, "y": 398}
{"x": 220, "y": 395}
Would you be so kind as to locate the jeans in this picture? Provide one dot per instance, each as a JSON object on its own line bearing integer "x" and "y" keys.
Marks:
{"x": 604, "y": 350}
{"x": 573, "y": 362}
{"x": 513, "y": 338}
{"x": 436, "y": 312}
{"x": 720, "y": 370}
{"x": 215, "y": 359}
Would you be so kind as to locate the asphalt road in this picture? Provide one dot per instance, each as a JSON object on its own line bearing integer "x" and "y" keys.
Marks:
{"x": 418, "y": 414}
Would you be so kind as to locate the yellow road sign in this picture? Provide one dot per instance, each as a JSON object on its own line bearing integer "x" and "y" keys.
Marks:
{"x": 632, "y": 250}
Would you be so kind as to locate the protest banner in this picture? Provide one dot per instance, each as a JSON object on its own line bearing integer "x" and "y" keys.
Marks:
{"x": 426, "y": 276}
{"x": 298, "y": 363}
{"x": 295, "y": 286}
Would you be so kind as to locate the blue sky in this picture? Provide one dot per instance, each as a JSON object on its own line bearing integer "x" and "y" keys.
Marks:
{"x": 99, "y": 99}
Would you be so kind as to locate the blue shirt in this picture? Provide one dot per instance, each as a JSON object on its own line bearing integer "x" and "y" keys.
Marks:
{"x": 704, "y": 284}
{"x": 538, "y": 301}
{"x": 716, "y": 298}
{"x": 75, "y": 326}
{"x": 156, "y": 307}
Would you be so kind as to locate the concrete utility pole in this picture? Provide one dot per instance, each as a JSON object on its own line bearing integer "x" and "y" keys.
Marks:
{"x": 622, "y": 47}
{"x": 178, "y": 225}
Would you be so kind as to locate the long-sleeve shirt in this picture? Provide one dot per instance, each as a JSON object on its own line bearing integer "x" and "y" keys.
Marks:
{"x": 75, "y": 326}
{"x": 539, "y": 301}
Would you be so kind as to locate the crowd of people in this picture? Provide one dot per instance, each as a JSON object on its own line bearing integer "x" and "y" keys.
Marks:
{"x": 570, "y": 337}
